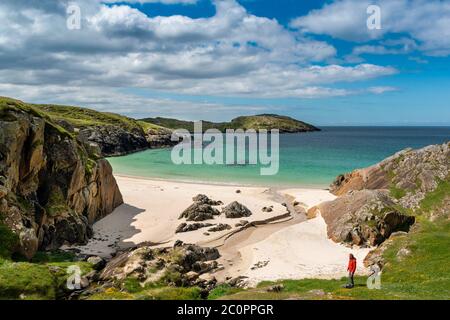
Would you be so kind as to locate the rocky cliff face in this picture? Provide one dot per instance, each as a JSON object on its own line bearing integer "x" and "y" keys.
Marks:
{"x": 116, "y": 141}
{"x": 366, "y": 217}
{"x": 52, "y": 186}
{"x": 377, "y": 201}
{"x": 409, "y": 175}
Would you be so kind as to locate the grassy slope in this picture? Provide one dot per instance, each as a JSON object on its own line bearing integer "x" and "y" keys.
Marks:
{"x": 82, "y": 117}
{"x": 423, "y": 274}
{"x": 77, "y": 116}
{"x": 44, "y": 278}
{"x": 266, "y": 121}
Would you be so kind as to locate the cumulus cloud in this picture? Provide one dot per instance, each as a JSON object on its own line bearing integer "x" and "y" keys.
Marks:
{"x": 233, "y": 53}
{"x": 154, "y": 1}
{"x": 427, "y": 21}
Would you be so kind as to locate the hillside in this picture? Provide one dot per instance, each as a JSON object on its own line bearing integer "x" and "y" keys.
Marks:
{"x": 257, "y": 122}
{"x": 414, "y": 260}
{"x": 111, "y": 133}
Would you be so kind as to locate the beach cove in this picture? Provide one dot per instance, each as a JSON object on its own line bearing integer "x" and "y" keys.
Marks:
{"x": 287, "y": 247}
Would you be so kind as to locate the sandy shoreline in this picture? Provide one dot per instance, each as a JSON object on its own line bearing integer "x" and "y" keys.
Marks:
{"x": 292, "y": 247}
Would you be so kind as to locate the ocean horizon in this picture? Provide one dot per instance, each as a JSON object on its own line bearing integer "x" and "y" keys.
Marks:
{"x": 311, "y": 159}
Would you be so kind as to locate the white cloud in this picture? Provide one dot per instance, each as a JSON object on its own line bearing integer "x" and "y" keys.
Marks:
{"x": 427, "y": 21}
{"x": 381, "y": 90}
{"x": 153, "y": 1}
{"x": 232, "y": 53}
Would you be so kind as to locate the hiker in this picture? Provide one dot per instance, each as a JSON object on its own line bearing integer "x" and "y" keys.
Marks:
{"x": 351, "y": 271}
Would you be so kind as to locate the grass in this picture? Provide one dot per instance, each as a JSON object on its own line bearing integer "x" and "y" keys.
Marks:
{"x": 8, "y": 240}
{"x": 421, "y": 274}
{"x": 396, "y": 192}
{"x": 435, "y": 198}
{"x": 258, "y": 122}
{"x": 223, "y": 290}
{"x": 131, "y": 289}
{"x": 83, "y": 117}
{"x": 42, "y": 279}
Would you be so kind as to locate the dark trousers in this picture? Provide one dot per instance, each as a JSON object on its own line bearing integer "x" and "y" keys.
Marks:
{"x": 351, "y": 282}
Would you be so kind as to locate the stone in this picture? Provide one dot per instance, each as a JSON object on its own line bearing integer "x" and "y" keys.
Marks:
{"x": 242, "y": 223}
{"x": 275, "y": 288}
{"x": 236, "y": 210}
{"x": 403, "y": 253}
{"x": 199, "y": 212}
{"x": 97, "y": 263}
{"x": 184, "y": 227}
{"x": 238, "y": 282}
{"x": 366, "y": 217}
{"x": 220, "y": 227}
{"x": 178, "y": 243}
{"x": 203, "y": 199}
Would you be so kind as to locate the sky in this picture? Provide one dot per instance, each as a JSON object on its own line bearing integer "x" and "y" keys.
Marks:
{"x": 317, "y": 61}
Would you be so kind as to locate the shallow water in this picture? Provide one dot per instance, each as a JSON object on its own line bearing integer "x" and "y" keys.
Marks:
{"x": 306, "y": 159}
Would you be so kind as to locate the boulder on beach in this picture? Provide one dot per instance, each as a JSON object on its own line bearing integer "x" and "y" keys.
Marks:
{"x": 203, "y": 199}
{"x": 184, "y": 227}
{"x": 199, "y": 212}
{"x": 236, "y": 210}
{"x": 220, "y": 227}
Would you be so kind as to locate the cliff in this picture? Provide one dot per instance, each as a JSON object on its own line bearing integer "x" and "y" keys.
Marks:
{"x": 409, "y": 175}
{"x": 53, "y": 186}
{"x": 377, "y": 201}
{"x": 112, "y": 134}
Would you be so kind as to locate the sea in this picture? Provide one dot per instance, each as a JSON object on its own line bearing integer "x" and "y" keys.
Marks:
{"x": 311, "y": 159}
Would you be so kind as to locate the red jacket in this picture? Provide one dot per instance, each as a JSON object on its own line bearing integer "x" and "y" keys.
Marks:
{"x": 351, "y": 265}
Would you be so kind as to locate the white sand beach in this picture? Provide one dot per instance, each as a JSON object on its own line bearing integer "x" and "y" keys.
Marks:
{"x": 292, "y": 247}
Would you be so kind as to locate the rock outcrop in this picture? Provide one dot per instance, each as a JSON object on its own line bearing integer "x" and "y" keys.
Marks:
{"x": 114, "y": 140}
{"x": 409, "y": 174}
{"x": 117, "y": 141}
{"x": 202, "y": 209}
{"x": 366, "y": 217}
{"x": 161, "y": 138}
{"x": 178, "y": 266}
{"x": 199, "y": 212}
{"x": 184, "y": 227}
{"x": 236, "y": 210}
{"x": 220, "y": 227}
{"x": 203, "y": 199}
{"x": 52, "y": 186}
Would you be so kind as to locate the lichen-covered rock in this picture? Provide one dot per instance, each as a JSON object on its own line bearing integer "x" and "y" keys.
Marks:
{"x": 114, "y": 140}
{"x": 161, "y": 138}
{"x": 184, "y": 227}
{"x": 409, "y": 174}
{"x": 199, "y": 212}
{"x": 220, "y": 227}
{"x": 51, "y": 187}
{"x": 366, "y": 217}
{"x": 181, "y": 265}
{"x": 203, "y": 199}
{"x": 236, "y": 210}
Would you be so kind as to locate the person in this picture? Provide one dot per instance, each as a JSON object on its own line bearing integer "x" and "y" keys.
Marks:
{"x": 351, "y": 271}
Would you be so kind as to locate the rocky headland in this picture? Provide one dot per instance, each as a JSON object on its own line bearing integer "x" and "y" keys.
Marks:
{"x": 53, "y": 186}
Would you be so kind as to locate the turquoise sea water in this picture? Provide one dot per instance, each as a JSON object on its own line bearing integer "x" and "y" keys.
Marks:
{"x": 306, "y": 159}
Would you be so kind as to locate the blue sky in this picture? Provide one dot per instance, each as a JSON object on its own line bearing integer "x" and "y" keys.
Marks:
{"x": 214, "y": 60}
